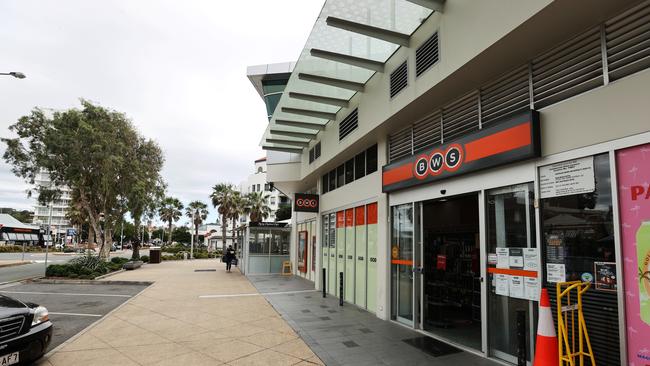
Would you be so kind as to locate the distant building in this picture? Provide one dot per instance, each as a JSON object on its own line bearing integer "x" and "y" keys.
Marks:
{"x": 59, "y": 222}
{"x": 256, "y": 182}
{"x": 14, "y": 232}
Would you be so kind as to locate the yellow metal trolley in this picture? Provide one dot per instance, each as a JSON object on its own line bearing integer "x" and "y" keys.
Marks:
{"x": 571, "y": 324}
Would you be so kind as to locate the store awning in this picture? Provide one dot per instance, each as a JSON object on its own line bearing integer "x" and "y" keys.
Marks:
{"x": 350, "y": 41}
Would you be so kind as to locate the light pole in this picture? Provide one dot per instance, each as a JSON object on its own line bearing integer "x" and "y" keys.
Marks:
{"x": 16, "y": 74}
{"x": 49, "y": 227}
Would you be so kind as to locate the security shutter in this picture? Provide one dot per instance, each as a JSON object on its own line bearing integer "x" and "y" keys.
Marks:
{"x": 460, "y": 117}
{"x": 426, "y": 132}
{"x": 628, "y": 42}
{"x": 398, "y": 79}
{"x": 400, "y": 144}
{"x": 508, "y": 94}
{"x": 349, "y": 124}
{"x": 426, "y": 55}
{"x": 569, "y": 69}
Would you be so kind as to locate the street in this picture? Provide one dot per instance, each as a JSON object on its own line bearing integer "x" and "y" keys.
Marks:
{"x": 22, "y": 272}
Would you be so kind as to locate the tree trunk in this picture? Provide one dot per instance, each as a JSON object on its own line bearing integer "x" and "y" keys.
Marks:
{"x": 224, "y": 229}
{"x": 135, "y": 245}
{"x": 106, "y": 242}
{"x": 91, "y": 235}
{"x": 170, "y": 232}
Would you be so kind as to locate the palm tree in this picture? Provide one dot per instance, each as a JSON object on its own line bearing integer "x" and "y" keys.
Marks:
{"x": 237, "y": 209}
{"x": 222, "y": 197}
{"x": 170, "y": 212}
{"x": 257, "y": 206}
{"x": 197, "y": 211}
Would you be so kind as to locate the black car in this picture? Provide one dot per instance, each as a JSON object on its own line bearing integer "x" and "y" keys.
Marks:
{"x": 25, "y": 331}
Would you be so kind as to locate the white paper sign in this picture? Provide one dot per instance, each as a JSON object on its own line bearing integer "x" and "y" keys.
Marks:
{"x": 567, "y": 178}
{"x": 555, "y": 272}
{"x": 516, "y": 258}
{"x": 516, "y": 286}
{"x": 502, "y": 258}
{"x": 531, "y": 288}
{"x": 531, "y": 259}
{"x": 502, "y": 284}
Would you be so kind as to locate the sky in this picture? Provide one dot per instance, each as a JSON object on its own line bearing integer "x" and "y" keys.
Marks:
{"x": 176, "y": 68}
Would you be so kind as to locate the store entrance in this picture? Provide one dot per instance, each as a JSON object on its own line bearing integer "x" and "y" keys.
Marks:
{"x": 451, "y": 269}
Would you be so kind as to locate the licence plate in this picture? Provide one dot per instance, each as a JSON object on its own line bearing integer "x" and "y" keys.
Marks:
{"x": 9, "y": 359}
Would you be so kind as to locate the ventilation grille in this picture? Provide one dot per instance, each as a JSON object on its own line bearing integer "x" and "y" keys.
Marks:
{"x": 317, "y": 151}
{"x": 398, "y": 79}
{"x": 568, "y": 70}
{"x": 628, "y": 42}
{"x": 427, "y": 132}
{"x": 349, "y": 124}
{"x": 426, "y": 55}
{"x": 507, "y": 95}
{"x": 399, "y": 144}
{"x": 460, "y": 117}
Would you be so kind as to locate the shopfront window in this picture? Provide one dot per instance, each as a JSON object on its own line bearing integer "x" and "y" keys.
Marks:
{"x": 402, "y": 262}
{"x": 259, "y": 242}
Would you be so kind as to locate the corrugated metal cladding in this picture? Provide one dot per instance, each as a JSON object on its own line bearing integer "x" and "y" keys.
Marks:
{"x": 617, "y": 48}
{"x": 349, "y": 124}
{"x": 399, "y": 79}
{"x": 426, "y": 55}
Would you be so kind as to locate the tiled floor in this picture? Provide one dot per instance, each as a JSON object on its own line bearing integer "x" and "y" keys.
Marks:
{"x": 348, "y": 335}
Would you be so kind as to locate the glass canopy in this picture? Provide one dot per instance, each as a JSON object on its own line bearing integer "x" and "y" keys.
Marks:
{"x": 399, "y": 16}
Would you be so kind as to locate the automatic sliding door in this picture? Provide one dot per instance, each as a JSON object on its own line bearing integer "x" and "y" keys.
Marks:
{"x": 402, "y": 263}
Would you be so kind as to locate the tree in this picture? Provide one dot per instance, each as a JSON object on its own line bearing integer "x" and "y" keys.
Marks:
{"x": 181, "y": 235}
{"x": 24, "y": 216}
{"x": 283, "y": 212}
{"x": 222, "y": 196}
{"x": 237, "y": 209}
{"x": 169, "y": 212}
{"x": 95, "y": 152}
{"x": 257, "y": 206}
{"x": 197, "y": 211}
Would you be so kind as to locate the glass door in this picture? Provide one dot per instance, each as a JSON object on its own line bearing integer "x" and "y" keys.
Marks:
{"x": 510, "y": 221}
{"x": 402, "y": 263}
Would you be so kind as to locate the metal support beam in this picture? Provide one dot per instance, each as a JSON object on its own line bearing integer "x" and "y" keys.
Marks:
{"x": 347, "y": 59}
{"x": 288, "y": 142}
{"x": 339, "y": 83}
{"x": 307, "y": 134}
{"x": 370, "y": 31}
{"x": 435, "y": 5}
{"x": 288, "y": 149}
{"x": 301, "y": 124}
{"x": 320, "y": 99}
{"x": 309, "y": 113}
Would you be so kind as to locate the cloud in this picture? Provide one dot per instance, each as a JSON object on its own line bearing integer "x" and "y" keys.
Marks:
{"x": 177, "y": 69}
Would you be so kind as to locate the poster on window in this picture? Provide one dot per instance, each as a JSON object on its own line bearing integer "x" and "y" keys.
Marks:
{"x": 633, "y": 175}
{"x": 302, "y": 251}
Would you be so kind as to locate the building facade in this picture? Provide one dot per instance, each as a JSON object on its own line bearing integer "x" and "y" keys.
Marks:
{"x": 467, "y": 154}
{"x": 257, "y": 182}
{"x": 59, "y": 221}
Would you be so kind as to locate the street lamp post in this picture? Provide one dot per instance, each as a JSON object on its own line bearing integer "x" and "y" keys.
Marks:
{"x": 49, "y": 227}
{"x": 16, "y": 74}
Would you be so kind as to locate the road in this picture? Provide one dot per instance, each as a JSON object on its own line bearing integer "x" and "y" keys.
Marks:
{"x": 22, "y": 272}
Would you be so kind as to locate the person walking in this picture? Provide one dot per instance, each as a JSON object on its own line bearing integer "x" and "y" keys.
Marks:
{"x": 229, "y": 257}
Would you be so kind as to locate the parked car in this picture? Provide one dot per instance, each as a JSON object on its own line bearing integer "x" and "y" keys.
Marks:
{"x": 25, "y": 331}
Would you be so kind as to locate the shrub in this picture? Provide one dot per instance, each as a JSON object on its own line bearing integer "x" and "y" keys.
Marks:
{"x": 119, "y": 260}
{"x": 73, "y": 275}
{"x": 88, "y": 264}
{"x": 68, "y": 250}
{"x": 145, "y": 258}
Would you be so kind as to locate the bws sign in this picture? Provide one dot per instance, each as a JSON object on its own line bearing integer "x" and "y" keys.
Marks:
{"x": 305, "y": 202}
{"x": 514, "y": 139}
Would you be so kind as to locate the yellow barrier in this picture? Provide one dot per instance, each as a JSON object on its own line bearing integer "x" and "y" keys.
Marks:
{"x": 568, "y": 310}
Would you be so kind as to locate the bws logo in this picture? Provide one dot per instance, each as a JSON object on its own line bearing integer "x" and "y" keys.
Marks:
{"x": 307, "y": 202}
{"x": 438, "y": 161}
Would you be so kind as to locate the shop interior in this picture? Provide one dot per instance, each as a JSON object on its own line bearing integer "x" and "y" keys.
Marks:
{"x": 451, "y": 262}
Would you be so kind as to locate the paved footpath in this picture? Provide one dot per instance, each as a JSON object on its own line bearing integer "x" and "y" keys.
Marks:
{"x": 187, "y": 318}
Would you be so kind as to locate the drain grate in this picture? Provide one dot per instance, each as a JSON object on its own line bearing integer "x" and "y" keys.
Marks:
{"x": 205, "y": 270}
{"x": 431, "y": 346}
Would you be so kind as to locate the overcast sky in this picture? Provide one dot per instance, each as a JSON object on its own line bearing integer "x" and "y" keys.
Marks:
{"x": 176, "y": 68}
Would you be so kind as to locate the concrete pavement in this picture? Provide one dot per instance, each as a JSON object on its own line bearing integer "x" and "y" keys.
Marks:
{"x": 191, "y": 315}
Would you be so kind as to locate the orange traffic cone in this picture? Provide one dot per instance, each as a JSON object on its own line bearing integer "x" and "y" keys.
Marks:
{"x": 546, "y": 347}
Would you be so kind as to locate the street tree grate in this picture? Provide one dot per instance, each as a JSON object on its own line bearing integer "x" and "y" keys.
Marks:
{"x": 205, "y": 270}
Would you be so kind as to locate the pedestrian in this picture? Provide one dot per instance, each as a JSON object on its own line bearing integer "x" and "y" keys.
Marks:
{"x": 229, "y": 257}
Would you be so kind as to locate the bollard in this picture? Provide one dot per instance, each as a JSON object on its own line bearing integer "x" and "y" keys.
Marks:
{"x": 521, "y": 338}
{"x": 324, "y": 283}
{"x": 340, "y": 288}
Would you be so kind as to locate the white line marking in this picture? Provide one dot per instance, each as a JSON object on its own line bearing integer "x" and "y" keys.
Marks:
{"x": 62, "y": 293}
{"x": 77, "y": 314}
{"x": 256, "y": 294}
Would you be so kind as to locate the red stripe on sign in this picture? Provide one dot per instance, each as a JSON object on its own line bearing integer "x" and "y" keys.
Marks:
{"x": 500, "y": 142}
{"x": 360, "y": 216}
{"x": 349, "y": 217}
{"x": 372, "y": 213}
{"x": 402, "y": 261}
{"x": 340, "y": 219}
{"x": 513, "y": 272}
{"x": 396, "y": 175}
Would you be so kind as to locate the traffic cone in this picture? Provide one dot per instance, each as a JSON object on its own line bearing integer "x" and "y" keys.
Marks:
{"x": 546, "y": 347}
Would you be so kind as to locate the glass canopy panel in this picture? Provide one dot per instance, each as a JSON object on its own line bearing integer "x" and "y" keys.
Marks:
{"x": 397, "y": 15}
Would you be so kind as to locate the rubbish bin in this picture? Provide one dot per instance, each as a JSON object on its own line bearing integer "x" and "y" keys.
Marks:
{"x": 154, "y": 255}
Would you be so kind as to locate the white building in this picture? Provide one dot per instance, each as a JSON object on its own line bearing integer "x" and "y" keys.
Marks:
{"x": 256, "y": 182}
{"x": 59, "y": 207}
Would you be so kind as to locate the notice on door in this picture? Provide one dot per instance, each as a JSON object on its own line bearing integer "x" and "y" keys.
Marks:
{"x": 502, "y": 283}
{"x": 555, "y": 272}
{"x": 516, "y": 286}
{"x": 531, "y": 259}
{"x": 531, "y": 288}
{"x": 503, "y": 260}
{"x": 567, "y": 178}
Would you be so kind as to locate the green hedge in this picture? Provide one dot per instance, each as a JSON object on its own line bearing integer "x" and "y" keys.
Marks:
{"x": 19, "y": 248}
{"x": 87, "y": 267}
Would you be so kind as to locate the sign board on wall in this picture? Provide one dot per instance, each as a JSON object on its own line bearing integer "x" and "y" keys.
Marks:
{"x": 567, "y": 178}
{"x": 304, "y": 202}
{"x": 509, "y": 141}
{"x": 633, "y": 176}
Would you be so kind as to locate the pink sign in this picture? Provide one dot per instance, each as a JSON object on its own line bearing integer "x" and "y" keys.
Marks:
{"x": 633, "y": 172}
